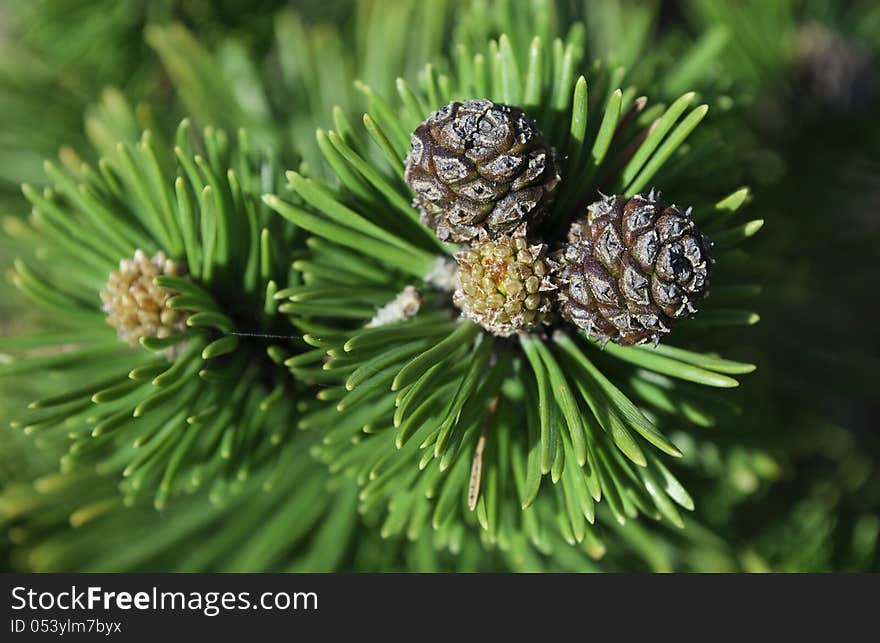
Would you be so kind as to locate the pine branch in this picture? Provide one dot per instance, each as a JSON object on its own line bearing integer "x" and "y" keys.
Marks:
{"x": 588, "y": 436}
{"x": 208, "y": 399}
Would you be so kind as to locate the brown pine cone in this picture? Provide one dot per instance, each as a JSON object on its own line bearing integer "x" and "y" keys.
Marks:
{"x": 631, "y": 269}
{"x": 480, "y": 168}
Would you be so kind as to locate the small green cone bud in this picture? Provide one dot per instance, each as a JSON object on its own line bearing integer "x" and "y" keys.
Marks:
{"x": 504, "y": 285}
{"x": 135, "y": 306}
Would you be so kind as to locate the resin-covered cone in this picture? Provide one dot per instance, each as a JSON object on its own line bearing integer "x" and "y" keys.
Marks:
{"x": 632, "y": 268}
{"x": 480, "y": 168}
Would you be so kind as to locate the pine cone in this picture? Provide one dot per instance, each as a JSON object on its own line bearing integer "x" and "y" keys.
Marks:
{"x": 631, "y": 269}
{"x": 480, "y": 167}
{"x": 135, "y": 306}
{"x": 504, "y": 285}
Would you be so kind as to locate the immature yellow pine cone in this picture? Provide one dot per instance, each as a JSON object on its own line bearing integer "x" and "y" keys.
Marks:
{"x": 480, "y": 168}
{"x": 504, "y": 285}
{"x": 631, "y": 268}
{"x": 135, "y": 306}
